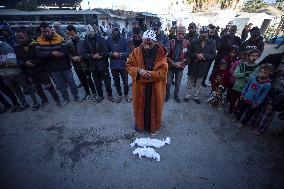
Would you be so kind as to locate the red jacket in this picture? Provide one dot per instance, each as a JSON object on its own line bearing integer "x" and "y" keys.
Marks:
{"x": 185, "y": 45}
{"x": 220, "y": 77}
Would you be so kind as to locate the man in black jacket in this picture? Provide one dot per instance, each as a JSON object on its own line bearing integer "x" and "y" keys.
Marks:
{"x": 226, "y": 42}
{"x": 32, "y": 65}
{"x": 95, "y": 50}
{"x": 81, "y": 66}
{"x": 52, "y": 49}
{"x": 200, "y": 52}
{"x": 254, "y": 42}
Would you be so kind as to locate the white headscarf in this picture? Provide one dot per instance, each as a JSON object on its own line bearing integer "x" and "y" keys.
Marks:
{"x": 149, "y": 34}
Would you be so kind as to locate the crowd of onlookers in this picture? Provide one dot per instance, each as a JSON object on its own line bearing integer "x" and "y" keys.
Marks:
{"x": 34, "y": 62}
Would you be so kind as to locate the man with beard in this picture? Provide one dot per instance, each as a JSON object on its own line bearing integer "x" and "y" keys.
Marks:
{"x": 160, "y": 36}
{"x": 95, "y": 50}
{"x": 214, "y": 36}
{"x": 254, "y": 42}
{"x": 172, "y": 34}
{"x": 12, "y": 75}
{"x": 147, "y": 65}
{"x": 192, "y": 33}
{"x": 136, "y": 39}
{"x": 226, "y": 42}
{"x": 81, "y": 66}
{"x": 33, "y": 67}
{"x": 177, "y": 60}
{"x": 200, "y": 52}
{"x": 118, "y": 53}
{"x": 54, "y": 51}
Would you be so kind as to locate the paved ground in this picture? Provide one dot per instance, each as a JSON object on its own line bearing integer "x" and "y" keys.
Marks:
{"x": 87, "y": 145}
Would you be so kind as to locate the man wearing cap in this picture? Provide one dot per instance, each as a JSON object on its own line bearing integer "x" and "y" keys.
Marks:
{"x": 95, "y": 50}
{"x": 148, "y": 67}
{"x": 118, "y": 53}
{"x": 200, "y": 52}
{"x": 172, "y": 34}
{"x": 176, "y": 60}
{"x": 161, "y": 37}
{"x": 192, "y": 33}
{"x": 254, "y": 42}
{"x": 226, "y": 42}
{"x": 136, "y": 38}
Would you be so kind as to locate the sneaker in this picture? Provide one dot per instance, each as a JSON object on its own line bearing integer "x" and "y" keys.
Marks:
{"x": 118, "y": 100}
{"x": 166, "y": 98}
{"x": 35, "y": 107}
{"x": 111, "y": 99}
{"x": 177, "y": 99}
{"x": 127, "y": 98}
{"x": 197, "y": 101}
{"x": 185, "y": 99}
{"x": 99, "y": 99}
{"x": 65, "y": 103}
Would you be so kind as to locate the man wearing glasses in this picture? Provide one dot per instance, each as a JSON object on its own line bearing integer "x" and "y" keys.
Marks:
{"x": 176, "y": 60}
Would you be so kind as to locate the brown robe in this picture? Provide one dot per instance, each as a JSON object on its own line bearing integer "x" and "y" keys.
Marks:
{"x": 158, "y": 81}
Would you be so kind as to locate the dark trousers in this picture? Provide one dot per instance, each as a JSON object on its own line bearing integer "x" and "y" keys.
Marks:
{"x": 60, "y": 78}
{"x": 16, "y": 82}
{"x": 245, "y": 110}
{"x": 235, "y": 95}
{"x": 208, "y": 68}
{"x": 177, "y": 74}
{"x": 40, "y": 79}
{"x": 85, "y": 77}
{"x": 124, "y": 76}
{"x": 6, "y": 91}
{"x": 99, "y": 76}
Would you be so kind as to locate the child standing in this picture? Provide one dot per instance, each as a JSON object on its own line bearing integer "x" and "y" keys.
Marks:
{"x": 253, "y": 94}
{"x": 275, "y": 98}
{"x": 232, "y": 62}
{"x": 242, "y": 74}
{"x": 219, "y": 83}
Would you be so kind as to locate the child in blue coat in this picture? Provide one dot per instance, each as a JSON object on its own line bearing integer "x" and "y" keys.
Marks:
{"x": 254, "y": 93}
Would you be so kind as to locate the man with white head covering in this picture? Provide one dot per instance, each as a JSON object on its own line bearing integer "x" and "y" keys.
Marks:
{"x": 148, "y": 67}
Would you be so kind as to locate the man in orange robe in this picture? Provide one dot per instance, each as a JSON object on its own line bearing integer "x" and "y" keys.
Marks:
{"x": 148, "y": 67}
